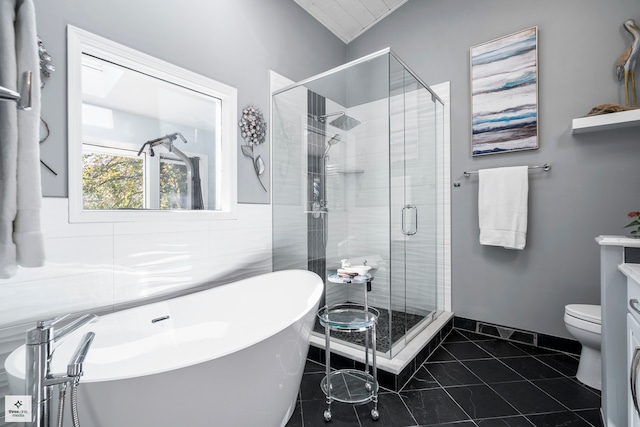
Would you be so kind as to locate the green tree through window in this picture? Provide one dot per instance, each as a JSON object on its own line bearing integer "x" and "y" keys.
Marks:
{"x": 112, "y": 182}
{"x": 173, "y": 185}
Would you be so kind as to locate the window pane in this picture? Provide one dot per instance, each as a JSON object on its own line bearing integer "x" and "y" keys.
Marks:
{"x": 111, "y": 181}
{"x": 173, "y": 185}
{"x": 125, "y": 109}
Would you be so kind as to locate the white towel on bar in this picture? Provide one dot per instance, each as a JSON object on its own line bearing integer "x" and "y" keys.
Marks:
{"x": 21, "y": 241}
{"x": 502, "y": 206}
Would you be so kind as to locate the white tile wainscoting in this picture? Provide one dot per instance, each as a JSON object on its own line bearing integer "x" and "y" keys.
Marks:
{"x": 102, "y": 266}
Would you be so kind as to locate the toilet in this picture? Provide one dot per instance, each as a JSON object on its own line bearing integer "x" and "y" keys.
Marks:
{"x": 583, "y": 323}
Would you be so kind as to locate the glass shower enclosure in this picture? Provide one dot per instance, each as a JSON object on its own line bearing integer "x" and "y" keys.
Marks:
{"x": 356, "y": 161}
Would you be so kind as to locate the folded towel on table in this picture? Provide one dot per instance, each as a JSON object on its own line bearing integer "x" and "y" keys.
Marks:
{"x": 344, "y": 273}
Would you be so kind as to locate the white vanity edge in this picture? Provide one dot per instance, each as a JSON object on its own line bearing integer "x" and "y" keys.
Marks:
{"x": 628, "y": 242}
{"x": 632, "y": 271}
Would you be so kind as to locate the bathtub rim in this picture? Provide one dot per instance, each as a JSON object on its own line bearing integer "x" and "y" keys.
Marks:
{"x": 15, "y": 363}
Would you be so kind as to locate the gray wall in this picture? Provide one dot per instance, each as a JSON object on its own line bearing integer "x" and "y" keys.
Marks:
{"x": 588, "y": 192}
{"x": 594, "y": 181}
{"x": 234, "y": 42}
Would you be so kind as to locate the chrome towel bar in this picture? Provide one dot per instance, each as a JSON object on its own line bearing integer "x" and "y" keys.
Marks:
{"x": 546, "y": 167}
{"x": 24, "y": 97}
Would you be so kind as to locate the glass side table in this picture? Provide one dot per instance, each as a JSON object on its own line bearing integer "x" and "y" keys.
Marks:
{"x": 351, "y": 385}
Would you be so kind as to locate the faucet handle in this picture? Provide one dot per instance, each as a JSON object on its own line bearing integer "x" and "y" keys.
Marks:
{"x": 43, "y": 331}
{"x": 43, "y": 324}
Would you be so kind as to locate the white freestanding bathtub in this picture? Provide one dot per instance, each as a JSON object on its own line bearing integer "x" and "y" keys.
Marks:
{"x": 228, "y": 356}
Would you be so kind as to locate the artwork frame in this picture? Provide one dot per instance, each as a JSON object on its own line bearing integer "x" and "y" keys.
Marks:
{"x": 504, "y": 94}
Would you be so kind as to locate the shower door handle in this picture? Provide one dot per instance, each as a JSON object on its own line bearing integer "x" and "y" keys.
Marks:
{"x": 415, "y": 222}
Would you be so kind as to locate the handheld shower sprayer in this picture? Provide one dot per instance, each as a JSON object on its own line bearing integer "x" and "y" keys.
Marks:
{"x": 334, "y": 140}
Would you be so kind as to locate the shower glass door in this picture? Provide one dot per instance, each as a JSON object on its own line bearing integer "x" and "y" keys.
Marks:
{"x": 414, "y": 204}
{"x": 355, "y": 177}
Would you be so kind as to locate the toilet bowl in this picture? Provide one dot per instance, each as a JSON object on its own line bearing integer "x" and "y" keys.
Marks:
{"x": 583, "y": 323}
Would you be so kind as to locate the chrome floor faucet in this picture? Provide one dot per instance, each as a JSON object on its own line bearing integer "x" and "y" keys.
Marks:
{"x": 42, "y": 340}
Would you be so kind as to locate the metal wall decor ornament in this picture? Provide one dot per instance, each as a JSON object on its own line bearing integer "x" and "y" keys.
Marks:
{"x": 46, "y": 68}
{"x": 46, "y": 63}
{"x": 253, "y": 129}
{"x": 504, "y": 94}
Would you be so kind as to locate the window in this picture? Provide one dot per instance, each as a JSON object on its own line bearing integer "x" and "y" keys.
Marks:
{"x": 146, "y": 136}
{"x": 112, "y": 179}
{"x": 115, "y": 178}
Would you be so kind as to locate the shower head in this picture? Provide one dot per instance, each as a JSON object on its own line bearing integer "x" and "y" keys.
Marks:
{"x": 342, "y": 122}
{"x": 334, "y": 140}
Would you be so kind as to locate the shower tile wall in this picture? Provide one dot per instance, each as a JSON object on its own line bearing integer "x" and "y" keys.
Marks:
{"x": 443, "y": 163}
{"x": 367, "y": 182}
{"x": 329, "y": 175}
{"x": 289, "y": 166}
{"x": 100, "y": 265}
{"x": 337, "y": 197}
{"x": 315, "y": 223}
{"x": 367, "y": 157}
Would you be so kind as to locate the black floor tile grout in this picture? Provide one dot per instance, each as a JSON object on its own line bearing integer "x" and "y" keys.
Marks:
{"x": 462, "y": 336}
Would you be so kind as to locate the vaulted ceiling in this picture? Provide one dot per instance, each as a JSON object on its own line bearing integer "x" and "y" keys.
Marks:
{"x": 348, "y": 19}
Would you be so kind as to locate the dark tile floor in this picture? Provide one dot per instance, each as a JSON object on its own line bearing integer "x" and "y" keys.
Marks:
{"x": 470, "y": 380}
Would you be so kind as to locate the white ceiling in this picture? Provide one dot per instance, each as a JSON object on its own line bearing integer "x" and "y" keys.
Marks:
{"x": 347, "y": 19}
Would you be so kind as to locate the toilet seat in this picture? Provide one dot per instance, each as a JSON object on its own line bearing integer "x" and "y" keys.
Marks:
{"x": 587, "y": 312}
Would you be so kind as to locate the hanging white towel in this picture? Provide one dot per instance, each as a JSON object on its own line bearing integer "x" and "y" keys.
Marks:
{"x": 502, "y": 206}
{"x": 21, "y": 241}
{"x": 8, "y": 139}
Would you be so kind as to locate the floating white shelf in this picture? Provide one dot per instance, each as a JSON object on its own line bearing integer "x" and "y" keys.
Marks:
{"x": 609, "y": 121}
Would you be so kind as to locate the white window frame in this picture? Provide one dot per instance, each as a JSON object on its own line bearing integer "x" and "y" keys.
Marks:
{"x": 83, "y": 42}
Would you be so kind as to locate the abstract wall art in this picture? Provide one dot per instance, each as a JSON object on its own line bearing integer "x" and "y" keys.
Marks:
{"x": 504, "y": 94}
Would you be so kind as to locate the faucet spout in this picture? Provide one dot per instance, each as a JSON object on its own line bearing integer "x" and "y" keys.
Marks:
{"x": 74, "y": 369}
{"x": 61, "y": 333}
